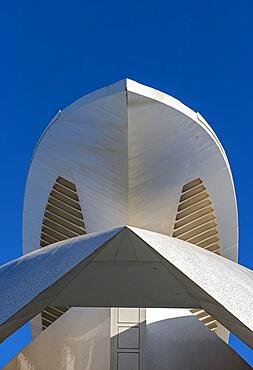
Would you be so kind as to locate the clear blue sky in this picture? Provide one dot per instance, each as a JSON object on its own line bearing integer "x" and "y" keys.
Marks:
{"x": 53, "y": 52}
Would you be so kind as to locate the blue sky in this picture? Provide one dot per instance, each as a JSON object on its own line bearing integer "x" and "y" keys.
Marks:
{"x": 53, "y": 52}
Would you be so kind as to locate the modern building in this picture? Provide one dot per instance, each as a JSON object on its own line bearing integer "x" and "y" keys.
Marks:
{"x": 163, "y": 293}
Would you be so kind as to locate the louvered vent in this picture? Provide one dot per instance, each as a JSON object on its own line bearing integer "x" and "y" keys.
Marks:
{"x": 63, "y": 219}
{"x": 196, "y": 224}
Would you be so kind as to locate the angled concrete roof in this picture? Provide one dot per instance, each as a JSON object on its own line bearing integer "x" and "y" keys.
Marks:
{"x": 126, "y": 267}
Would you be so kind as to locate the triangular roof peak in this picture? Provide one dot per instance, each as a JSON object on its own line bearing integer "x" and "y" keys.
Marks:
{"x": 126, "y": 267}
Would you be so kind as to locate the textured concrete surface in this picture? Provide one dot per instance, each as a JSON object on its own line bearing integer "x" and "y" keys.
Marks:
{"x": 127, "y": 267}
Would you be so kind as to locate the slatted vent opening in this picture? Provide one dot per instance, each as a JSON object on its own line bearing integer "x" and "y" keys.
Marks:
{"x": 196, "y": 223}
{"x": 62, "y": 220}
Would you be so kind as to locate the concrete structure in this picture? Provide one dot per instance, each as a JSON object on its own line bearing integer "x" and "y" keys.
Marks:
{"x": 130, "y": 155}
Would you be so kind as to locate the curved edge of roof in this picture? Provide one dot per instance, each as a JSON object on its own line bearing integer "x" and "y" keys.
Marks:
{"x": 149, "y": 92}
{"x": 129, "y": 85}
{"x": 138, "y": 88}
{"x": 88, "y": 98}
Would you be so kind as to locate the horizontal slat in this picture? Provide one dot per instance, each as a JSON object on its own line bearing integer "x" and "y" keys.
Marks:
{"x": 195, "y": 207}
{"x": 66, "y": 183}
{"x": 191, "y": 184}
{"x": 45, "y": 320}
{"x": 63, "y": 198}
{"x": 192, "y": 192}
{"x": 48, "y": 238}
{"x": 202, "y": 236}
{"x": 206, "y": 320}
{"x": 49, "y": 315}
{"x": 197, "y": 311}
{"x": 192, "y": 225}
{"x": 208, "y": 241}
{"x": 192, "y": 201}
{"x": 59, "y": 228}
{"x": 65, "y": 207}
{"x": 69, "y": 193}
{"x": 57, "y": 310}
{"x": 193, "y": 216}
{"x": 211, "y": 324}
{"x": 212, "y": 247}
{"x": 204, "y": 316}
{"x": 54, "y": 234}
{"x": 43, "y": 243}
{"x": 65, "y": 223}
{"x": 198, "y": 230}
{"x": 65, "y": 215}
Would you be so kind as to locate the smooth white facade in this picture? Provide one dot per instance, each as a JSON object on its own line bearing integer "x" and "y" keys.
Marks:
{"x": 170, "y": 345}
{"x": 129, "y": 149}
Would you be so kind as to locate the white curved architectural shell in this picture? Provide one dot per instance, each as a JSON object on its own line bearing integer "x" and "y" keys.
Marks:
{"x": 129, "y": 155}
{"x": 129, "y": 150}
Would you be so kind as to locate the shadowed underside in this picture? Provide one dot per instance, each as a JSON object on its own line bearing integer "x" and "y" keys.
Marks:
{"x": 126, "y": 267}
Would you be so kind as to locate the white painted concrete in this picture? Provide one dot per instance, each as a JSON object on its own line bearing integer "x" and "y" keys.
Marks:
{"x": 129, "y": 149}
{"x": 78, "y": 340}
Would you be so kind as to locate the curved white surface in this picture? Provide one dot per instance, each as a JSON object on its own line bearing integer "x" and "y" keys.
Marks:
{"x": 127, "y": 267}
{"x": 78, "y": 340}
{"x": 173, "y": 343}
{"x": 129, "y": 149}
